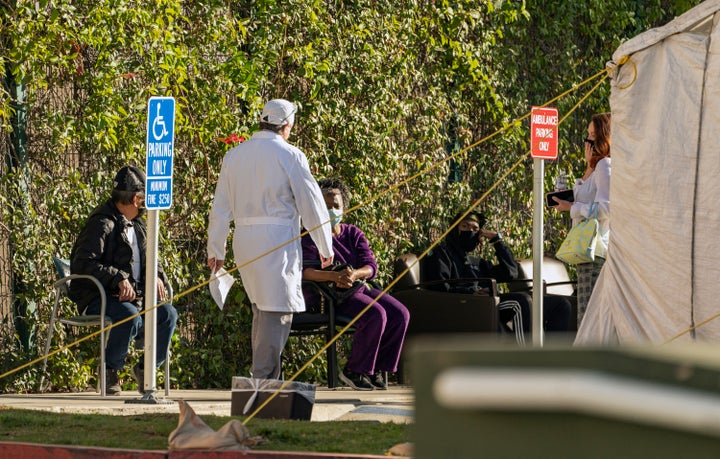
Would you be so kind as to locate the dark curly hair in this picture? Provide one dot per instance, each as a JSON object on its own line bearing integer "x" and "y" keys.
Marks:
{"x": 332, "y": 183}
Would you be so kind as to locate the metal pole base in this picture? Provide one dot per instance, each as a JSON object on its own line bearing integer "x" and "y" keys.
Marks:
{"x": 150, "y": 399}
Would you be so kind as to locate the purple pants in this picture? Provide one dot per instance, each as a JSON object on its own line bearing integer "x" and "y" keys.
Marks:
{"x": 379, "y": 333}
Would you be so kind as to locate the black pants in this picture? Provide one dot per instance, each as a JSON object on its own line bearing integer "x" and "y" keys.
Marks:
{"x": 556, "y": 311}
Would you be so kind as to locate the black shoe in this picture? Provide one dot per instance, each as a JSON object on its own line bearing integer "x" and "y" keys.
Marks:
{"x": 112, "y": 383}
{"x": 378, "y": 380}
{"x": 138, "y": 373}
{"x": 356, "y": 380}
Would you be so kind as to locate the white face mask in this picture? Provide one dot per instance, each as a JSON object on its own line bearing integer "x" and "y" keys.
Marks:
{"x": 335, "y": 216}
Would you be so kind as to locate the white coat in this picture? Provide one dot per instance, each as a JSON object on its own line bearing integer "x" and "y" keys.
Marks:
{"x": 265, "y": 187}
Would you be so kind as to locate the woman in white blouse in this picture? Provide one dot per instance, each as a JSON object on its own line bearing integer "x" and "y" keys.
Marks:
{"x": 593, "y": 187}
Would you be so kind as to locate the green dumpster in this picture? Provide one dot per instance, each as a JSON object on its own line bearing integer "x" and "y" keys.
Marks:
{"x": 478, "y": 399}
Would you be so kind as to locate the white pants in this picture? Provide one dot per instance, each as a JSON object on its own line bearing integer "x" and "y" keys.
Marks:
{"x": 270, "y": 331}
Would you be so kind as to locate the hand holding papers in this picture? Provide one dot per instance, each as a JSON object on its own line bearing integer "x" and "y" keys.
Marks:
{"x": 220, "y": 283}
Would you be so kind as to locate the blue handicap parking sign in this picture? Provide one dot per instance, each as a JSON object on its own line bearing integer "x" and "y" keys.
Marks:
{"x": 160, "y": 150}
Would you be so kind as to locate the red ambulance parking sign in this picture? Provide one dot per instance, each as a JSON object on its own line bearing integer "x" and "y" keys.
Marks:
{"x": 543, "y": 133}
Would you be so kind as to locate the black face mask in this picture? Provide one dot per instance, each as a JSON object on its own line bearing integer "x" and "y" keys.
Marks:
{"x": 468, "y": 240}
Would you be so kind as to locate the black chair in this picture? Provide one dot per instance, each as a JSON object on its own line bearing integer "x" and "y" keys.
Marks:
{"x": 321, "y": 318}
{"x": 437, "y": 312}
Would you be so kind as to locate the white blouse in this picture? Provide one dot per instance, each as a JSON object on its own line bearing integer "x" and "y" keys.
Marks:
{"x": 595, "y": 189}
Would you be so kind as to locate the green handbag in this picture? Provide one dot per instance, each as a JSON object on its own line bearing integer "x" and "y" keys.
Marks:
{"x": 582, "y": 243}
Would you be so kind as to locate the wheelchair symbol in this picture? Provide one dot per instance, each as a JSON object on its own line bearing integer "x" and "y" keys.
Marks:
{"x": 159, "y": 122}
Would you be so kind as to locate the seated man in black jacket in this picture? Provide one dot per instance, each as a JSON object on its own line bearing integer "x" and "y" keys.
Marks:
{"x": 111, "y": 246}
{"x": 451, "y": 260}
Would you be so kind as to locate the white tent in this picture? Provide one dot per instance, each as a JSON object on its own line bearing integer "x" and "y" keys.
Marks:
{"x": 662, "y": 274}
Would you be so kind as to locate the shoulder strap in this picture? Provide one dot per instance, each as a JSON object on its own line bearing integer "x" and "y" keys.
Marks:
{"x": 593, "y": 210}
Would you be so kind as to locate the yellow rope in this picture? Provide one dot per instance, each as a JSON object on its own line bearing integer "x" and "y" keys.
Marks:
{"x": 371, "y": 199}
{"x": 694, "y": 327}
{"x": 420, "y": 257}
{"x": 383, "y": 292}
{"x": 471, "y": 146}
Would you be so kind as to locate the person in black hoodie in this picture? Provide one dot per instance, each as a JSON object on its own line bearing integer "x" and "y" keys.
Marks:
{"x": 452, "y": 260}
{"x": 111, "y": 247}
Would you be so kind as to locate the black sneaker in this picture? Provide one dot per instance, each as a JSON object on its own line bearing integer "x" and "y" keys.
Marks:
{"x": 112, "y": 383}
{"x": 356, "y": 380}
{"x": 378, "y": 380}
{"x": 138, "y": 373}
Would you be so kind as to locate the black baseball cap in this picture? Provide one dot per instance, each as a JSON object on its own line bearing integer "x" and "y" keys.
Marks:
{"x": 129, "y": 178}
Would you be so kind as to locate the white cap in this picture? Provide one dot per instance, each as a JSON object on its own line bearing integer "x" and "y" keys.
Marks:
{"x": 279, "y": 112}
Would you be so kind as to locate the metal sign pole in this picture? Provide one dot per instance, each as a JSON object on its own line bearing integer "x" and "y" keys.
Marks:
{"x": 151, "y": 300}
{"x": 158, "y": 195}
{"x": 538, "y": 238}
{"x": 543, "y": 145}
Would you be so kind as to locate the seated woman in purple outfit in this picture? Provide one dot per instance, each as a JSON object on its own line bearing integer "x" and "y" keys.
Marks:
{"x": 380, "y": 332}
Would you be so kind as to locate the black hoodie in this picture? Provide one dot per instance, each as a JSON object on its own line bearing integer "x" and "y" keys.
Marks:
{"x": 450, "y": 261}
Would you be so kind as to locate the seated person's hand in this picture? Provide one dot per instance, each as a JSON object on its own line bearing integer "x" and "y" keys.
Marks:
{"x": 488, "y": 234}
{"x": 484, "y": 291}
{"x": 161, "y": 291}
{"x": 127, "y": 293}
{"x": 345, "y": 278}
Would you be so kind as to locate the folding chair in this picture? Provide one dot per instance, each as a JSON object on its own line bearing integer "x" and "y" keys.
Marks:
{"x": 61, "y": 286}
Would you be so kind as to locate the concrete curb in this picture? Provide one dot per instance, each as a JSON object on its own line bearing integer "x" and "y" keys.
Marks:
{"x": 394, "y": 405}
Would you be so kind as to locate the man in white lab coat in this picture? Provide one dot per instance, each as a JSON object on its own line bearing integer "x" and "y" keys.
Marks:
{"x": 266, "y": 188}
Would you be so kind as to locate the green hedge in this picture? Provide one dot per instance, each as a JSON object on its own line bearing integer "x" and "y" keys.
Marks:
{"x": 386, "y": 89}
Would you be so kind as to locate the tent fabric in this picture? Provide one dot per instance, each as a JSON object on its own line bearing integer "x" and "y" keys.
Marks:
{"x": 660, "y": 277}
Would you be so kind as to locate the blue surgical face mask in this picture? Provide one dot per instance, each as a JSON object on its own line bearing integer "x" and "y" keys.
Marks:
{"x": 335, "y": 216}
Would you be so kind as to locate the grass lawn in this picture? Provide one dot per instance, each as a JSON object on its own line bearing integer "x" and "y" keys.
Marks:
{"x": 150, "y": 431}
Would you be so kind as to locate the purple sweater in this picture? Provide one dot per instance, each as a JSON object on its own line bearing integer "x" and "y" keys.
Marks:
{"x": 350, "y": 247}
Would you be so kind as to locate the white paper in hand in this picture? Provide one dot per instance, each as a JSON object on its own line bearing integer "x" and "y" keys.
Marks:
{"x": 220, "y": 284}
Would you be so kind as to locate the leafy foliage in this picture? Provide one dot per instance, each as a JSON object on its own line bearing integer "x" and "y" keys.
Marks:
{"x": 386, "y": 90}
